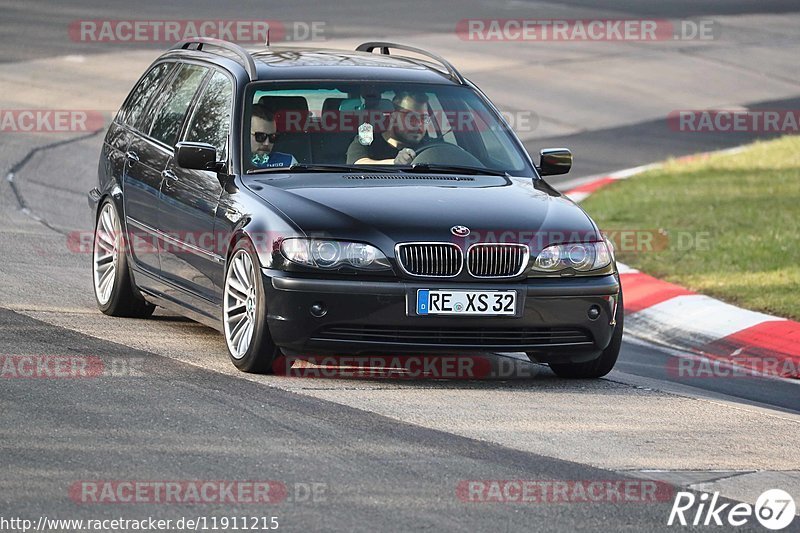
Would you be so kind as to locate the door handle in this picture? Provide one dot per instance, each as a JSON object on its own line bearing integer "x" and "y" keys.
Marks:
{"x": 169, "y": 175}
{"x": 132, "y": 157}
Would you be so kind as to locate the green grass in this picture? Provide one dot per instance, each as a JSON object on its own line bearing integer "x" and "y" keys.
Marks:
{"x": 746, "y": 206}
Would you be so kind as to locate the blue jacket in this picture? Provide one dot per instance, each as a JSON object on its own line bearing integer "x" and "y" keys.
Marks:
{"x": 273, "y": 160}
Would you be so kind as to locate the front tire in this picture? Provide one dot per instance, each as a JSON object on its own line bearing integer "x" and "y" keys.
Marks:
{"x": 603, "y": 364}
{"x": 244, "y": 313}
{"x": 114, "y": 290}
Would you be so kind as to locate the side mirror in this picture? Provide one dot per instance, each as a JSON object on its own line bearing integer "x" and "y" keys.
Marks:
{"x": 554, "y": 161}
{"x": 196, "y": 156}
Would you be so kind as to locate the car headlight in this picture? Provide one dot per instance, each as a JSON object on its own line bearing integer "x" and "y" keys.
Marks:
{"x": 580, "y": 256}
{"x": 329, "y": 254}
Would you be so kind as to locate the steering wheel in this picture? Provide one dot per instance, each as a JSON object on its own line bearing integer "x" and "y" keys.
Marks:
{"x": 443, "y": 153}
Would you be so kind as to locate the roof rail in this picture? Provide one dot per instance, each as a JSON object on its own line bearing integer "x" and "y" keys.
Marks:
{"x": 384, "y": 46}
{"x": 247, "y": 60}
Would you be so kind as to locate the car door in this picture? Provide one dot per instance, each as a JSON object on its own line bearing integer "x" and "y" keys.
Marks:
{"x": 141, "y": 170}
{"x": 153, "y": 150}
{"x": 190, "y": 198}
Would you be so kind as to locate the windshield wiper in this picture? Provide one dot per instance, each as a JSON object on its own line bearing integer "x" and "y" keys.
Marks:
{"x": 416, "y": 168}
{"x": 453, "y": 169}
{"x": 321, "y": 167}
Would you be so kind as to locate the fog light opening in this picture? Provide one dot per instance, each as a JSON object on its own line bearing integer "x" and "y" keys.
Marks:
{"x": 318, "y": 310}
{"x": 594, "y": 312}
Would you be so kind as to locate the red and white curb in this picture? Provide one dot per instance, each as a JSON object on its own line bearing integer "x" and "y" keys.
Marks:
{"x": 667, "y": 314}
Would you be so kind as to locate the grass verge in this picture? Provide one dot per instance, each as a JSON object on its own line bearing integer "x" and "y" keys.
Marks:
{"x": 727, "y": 225}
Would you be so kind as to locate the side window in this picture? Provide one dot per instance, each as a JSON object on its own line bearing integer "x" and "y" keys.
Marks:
{"x": 211, "y": 120}
{"x": 172, "y": 109}
{"x": 143, "y": 93}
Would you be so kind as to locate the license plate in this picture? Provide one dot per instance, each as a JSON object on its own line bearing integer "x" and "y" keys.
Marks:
{"x": 465, "y": 303}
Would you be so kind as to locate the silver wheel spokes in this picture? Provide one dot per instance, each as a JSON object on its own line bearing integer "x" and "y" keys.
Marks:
{"x": 106, "y": 253}
{"x": 240, "y": 304}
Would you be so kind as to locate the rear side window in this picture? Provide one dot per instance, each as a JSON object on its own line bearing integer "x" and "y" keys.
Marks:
{"x": 172, "y": 109}
{"x": 143, "y": 93}
{"x": 211, "y": 120}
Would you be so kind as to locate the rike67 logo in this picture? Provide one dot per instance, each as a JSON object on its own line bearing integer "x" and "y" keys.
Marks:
{"x": 775, "y": 510}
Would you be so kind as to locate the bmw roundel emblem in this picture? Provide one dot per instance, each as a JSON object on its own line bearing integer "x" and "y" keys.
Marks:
{"x": 459, "y": 231}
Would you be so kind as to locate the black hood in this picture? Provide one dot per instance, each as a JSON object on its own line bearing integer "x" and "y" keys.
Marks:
{"x": 402, "y": 208}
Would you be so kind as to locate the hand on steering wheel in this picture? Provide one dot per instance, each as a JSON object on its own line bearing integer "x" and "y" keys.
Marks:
{"x": 405, "y": 156}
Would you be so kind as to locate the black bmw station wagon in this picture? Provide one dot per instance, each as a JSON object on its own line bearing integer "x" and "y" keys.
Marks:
{"x": 329, "y": 201}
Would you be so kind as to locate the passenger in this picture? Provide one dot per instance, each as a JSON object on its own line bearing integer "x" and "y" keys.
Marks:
{"x": 263, "y": 134}
{"x": 396, "y": 145}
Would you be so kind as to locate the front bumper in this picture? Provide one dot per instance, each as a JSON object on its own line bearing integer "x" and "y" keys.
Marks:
{"x": 378, "y": 316}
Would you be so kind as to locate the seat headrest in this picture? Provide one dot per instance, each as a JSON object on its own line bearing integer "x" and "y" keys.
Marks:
{"x": 292, "y": 120}
{"x": 332, "y": 104}
{"x": 282, "y": 103}
{"x": 358, "y": 104}
{"x": 351, "y": 104}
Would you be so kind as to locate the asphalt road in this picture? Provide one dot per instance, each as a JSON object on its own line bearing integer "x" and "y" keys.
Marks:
{"x": 39, "y": 28}
{"x": 389, "y": 456}
{"x": 377, "y": 474}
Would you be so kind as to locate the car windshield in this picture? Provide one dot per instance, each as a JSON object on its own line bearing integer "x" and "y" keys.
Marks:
{"x": 376, "y": 127}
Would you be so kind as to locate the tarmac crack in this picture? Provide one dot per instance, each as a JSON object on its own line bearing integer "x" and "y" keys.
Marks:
{"x": 19, "y": 165}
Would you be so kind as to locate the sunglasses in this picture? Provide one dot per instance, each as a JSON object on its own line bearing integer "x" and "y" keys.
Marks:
{"x": 262, "y": 136}
{"x": 413, "y": 118}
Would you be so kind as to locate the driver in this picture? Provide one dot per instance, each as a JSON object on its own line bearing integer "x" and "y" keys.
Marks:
{"x": 263, "y": 133}
{"x": 396, "y": 145}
